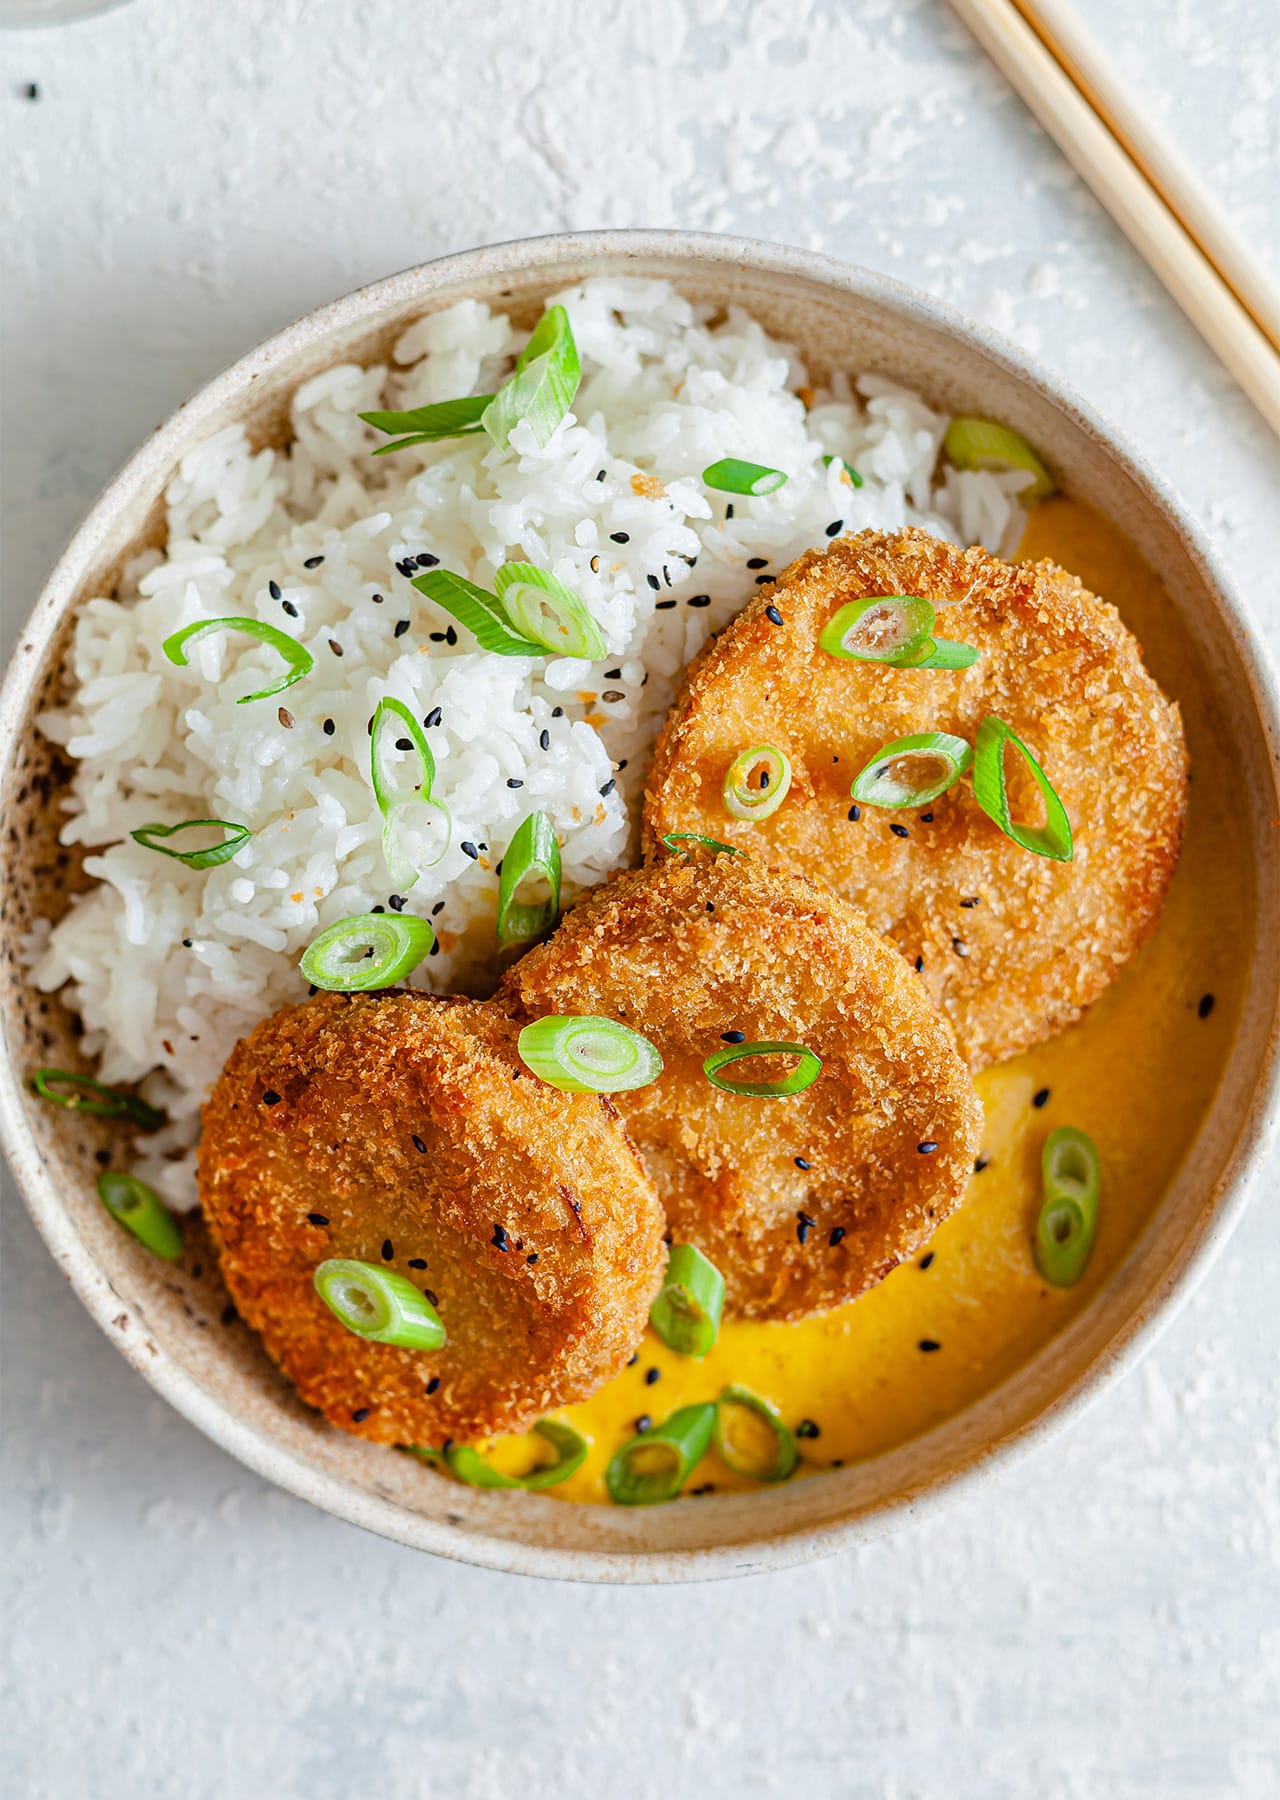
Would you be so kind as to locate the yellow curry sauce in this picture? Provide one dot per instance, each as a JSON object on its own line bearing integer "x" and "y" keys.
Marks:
{"x": 1137, "y": 1074}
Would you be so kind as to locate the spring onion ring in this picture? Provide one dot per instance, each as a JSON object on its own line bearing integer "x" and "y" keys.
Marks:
{"x": 141, "y": 1210}
{"x": 88, "y": 1095}
{"x": 732, "y": 476}
{"x": 655, "y": 1465}
{"x": 982, "y": 444}
{"x": 480, "y": 612}
{"x": 944, "y": 653}
{"x": 378, "y": 1305}
{"x": 1053, "y": 838}
{"x": 686, "y": 1314}
{"x": 675, "y": 839}
{"x": 1071, "y": 1177}
{"x": 546, "y": 612}
{"x": 392, "y": 720}
{"x": 298, "y": 660}
{"x": 884, "y": 628}
{"x": 746, "y": 802}
{"x": 366, "y": 952}
{"x": 847, "y": 468}
{"x": 532, "y": 852}
{"x": 195, "y": 859}
{"x": 751, "y": 1438}
{"x": 804, "y": 1074}
{"x": 588, "y": 1055}
{"x": 569, "y": 1445}
{"x": 544, "y": 384}
{"x": 912, "y": 770}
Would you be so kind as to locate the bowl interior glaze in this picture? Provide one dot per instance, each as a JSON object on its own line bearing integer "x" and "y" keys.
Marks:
{"x": 169, "y": 1322}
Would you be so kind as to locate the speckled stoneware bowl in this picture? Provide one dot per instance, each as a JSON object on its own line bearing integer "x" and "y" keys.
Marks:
{"x": 169, "y": 1320}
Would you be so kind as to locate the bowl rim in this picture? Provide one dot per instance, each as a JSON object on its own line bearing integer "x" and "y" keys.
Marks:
{"x": 780, "y": 1548}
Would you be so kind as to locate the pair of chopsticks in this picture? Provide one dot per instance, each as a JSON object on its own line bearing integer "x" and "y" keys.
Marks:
{"x": 1141, "y": 177}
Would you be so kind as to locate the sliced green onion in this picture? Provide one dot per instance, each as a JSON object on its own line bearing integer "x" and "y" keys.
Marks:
{"x": 912, "y": 770}
{"x": 1071, "y": 1176}
{"x": 141, "y": 1210}
{"x": 686, "y": 1314}
{"x": 944, "y": 653}
{"x": 392, "y": 719}
{"x": 479, "y": 611}
{"x": 299, "y": 660}
{"x": 854, "y": 477}
{"x": 542, "y": 389}
{"x": 883, "y": 628}
{"x": 546, "y": 611}
{"x": 1053, "y": 838}
{"x": 88, "y": 1095}
{"x": 804, "y": 1074}
{"x": 982, "y": 444}
{"x": 751, "y": 1437}
{"x": 533, "y": 851}
{"x": 195, "y": 859}
{"x": 587, "y": 1055}
{"x": 368, "y": 951}
{"x": 772, "y": 771}
{"x": 674, "y": 839}
{"x": 730, "y": 476}
{"x": 655, "y": 1466}
{"x": 428, "y": 424}
{"x": 476, "y": 1470}
{"x": 378, "y": 1304}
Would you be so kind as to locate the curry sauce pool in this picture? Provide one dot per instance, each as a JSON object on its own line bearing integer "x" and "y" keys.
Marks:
{"x": 1138, "y": 1074}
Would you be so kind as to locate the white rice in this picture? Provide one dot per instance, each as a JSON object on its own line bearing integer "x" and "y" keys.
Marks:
{"x": 168, "y": 966}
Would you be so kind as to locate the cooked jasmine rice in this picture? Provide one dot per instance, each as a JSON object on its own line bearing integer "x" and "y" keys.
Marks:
{"x": 167, "y": 965}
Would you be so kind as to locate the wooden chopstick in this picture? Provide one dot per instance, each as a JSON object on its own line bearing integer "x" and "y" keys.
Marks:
{"x": 1067, "y": 39}
{"x": 1131, "y": 199}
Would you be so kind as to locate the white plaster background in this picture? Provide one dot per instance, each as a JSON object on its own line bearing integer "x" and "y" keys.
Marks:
{"x": 1104, "y": 1620}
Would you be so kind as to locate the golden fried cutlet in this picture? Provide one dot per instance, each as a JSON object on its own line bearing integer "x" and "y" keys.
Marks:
{"x": 802, "y": 1201}
{"x": 1012, "y": 946}
{"x": 404, "y": 1131}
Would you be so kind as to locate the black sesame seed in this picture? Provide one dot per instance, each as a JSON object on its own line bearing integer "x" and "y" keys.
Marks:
{"x": 187, "y": 943}
{"x": 437, "y": 909}
{"x": 336, "y": 648}
{"x": 433, "y": 1386}
{"x": 919, "y": 965}
{"x": 379, "y": 909}
{"x": 666, "y": 574}
{"x": 734, "y": 1037}
{"x": 404, "y": 744}
{"x": 329, "y": 728}
{"x": 899, "y": 831}
{"x": 664, "y": 605}
{"x": 652, "y": 1375}
{"x": 763, "y": 580}
{"x": 926, "y": 1261}
{"x": 432, "y": 718}
{"x": 982, "y": 1163}
{"x": 620, "y": 537}
{"x": 499, "y": 1239}
{"x": 431, "y": 1295}
{"x": 377, "y": 599}
{"x": 608, "y": 787}
{"x": 772, "y": 613}
{"x": 835, "y": 528}
{"x": 711, "y": 907}
{"x": 30, "y": 90}
{"x": 318, "y": 1218}
{"x": 396, "y": 902}
{"x": 313, "y": 562}
{"x": 927, "y": 1344}
{"x": 229, "y": 1314}
{"x": 557, "y": 712}
{"x": 271, "y": 1098}
{"x": 804, "y": 1225}
{"x": 601, "y": 475}
{"x": 417, "y": 1262}
{"x": 468, "y": 849}
{"x": 273, "y": 588}
{"x": 837, "y": 1236}
{"x": 437, "y": 637}
{"x": 418, "y": 1144}
{"x": 633, "y": 1359}
{"x": 1040, "y": 1097}
{"x": 974, "y": 901}
{"x": 802, "y": 1162}
{"x": 807, "y": 1429}
{"x": 287, "y": 606}
{"x": 960, "y": 947}
{"x": 531, "y": 1258}
{"x": 927, "y": 1148}
{"x": 613, "y": 674}
{"x": 1205, "y": 1007}
{"x": 644, "y": 1423}
{"x": 361, "y": 1414}
{"x": 757, "y": 562}
{"x": 855, "y": 813}
{"x": 699, "y": 600}
{"x": 544, "y": 738}
{"x": 401, "y": 626}
{"x": 426, "y": 560}
{"x": 653, "y": 581}
{"x": 728, "y": 511}
{"x": 514, "y": 781}
{"x": 388, "y": 1250}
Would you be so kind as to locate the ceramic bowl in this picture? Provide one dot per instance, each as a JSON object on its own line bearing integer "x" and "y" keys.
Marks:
{"x": 169, "y": 1322}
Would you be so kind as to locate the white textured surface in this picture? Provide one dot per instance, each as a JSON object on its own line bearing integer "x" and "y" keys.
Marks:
{"x": 1104, "y": 1619}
